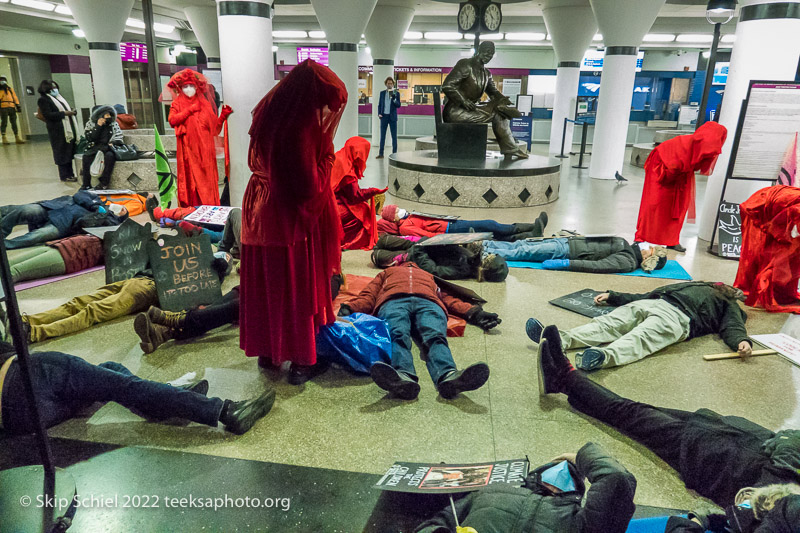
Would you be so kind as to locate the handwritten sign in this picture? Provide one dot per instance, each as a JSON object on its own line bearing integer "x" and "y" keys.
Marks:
{"x": 182, "y": 271}
{"x": 730, "y": 230}
{"x": 215, "y": 215}
{"x": 125, "y": 250}
{"x": 784, "y": 344}
{"x": 582, "y": 302}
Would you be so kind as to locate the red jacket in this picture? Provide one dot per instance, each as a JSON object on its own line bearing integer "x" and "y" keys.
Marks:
{"x": 414, "y": 225}
{"x": 405, "y": 280}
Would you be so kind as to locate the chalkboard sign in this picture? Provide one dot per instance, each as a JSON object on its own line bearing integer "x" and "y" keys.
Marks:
{"x": 125, "y": 250}
{"x": 730, "y": 230}
{"x": 582, "y": 302}
{"x": 182, "y": 270}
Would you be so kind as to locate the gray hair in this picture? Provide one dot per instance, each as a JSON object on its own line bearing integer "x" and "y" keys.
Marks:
{"x": 650, "y": 264}
{"x": 763, "y": 499}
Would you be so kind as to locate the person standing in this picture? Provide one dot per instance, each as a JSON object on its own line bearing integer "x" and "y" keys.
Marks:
{"x": 9, "y": 107}
{"x": 388, "y": 103}
{"x": 291, "y": 232}
{"x": 61, "y": 128}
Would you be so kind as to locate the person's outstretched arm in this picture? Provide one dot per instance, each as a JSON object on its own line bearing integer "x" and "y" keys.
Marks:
{"x": 621, "y": 298}
{"x": 732, "y": 329}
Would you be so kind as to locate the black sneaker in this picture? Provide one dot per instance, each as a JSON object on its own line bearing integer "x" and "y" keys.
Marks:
{"x": 678, "y": 248}
{"x": 200, "y": 387}
{"x": 299, "y": 374}
{"x": 552, "y": 369}
{"x": 71, "y": 179}
{"x": 534, "y": 329}
{"x": 239, "y": 417}
{"x": 471, "y": 378}
{"x": 396, "y": 383}
{"x": 554, "y": 338}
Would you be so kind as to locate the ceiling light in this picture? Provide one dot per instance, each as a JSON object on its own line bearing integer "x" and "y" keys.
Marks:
{"x": 525, "y": 36}
{"x": 368, "y": 50}
{"x": 77, "y": 32}
{"x": 706, "y": 54}
{"x": 316, "y": 34}
{"x": 659, "y": 38}
{"x": 274, "y": 48}
{"x": 597, "y": 37}
{"x": 134, "y": 23}
{"x": 694, "y": 38}
{"x": 63, "y": 10}
{"x": 720, "y": 11}
{"x": 34, "y": 4}
{"x": 443, "y": 35}
{"x": 731, "y": 37}
{"x": 289, "y": 34}
{"x": 492, "y": 37}
{"x": 163, "y": 28}
{"x": 411, "y": 35}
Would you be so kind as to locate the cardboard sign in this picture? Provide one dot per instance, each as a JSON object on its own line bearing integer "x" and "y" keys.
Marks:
{"x": 182, "y": 271}
{"x": 784, "y": 344}
{"x": 455, "y": 238}
{"x": 125, "y": 250}
{"x": 582, "y": 302}
{"x": 443, "y": 479}
{"x": 730, "y": 230}
{"x": 215, "y": 215}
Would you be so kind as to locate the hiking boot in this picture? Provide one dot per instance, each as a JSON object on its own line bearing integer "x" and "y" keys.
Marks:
{"x": 590, "y": 359}
{"x": 151, "y": 335}
{"x": 396, "y": 383}
{"x": 471, "y": 378}
{"x": 239, "y": 417}
{"x": 20, "y": 140}
{"x": 170, "y": 319}
{"x": 4, "y": 139}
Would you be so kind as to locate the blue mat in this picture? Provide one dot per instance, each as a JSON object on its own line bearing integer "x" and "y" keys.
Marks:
{"x": 648, "y": 525}
{"x": 672, "y": 270}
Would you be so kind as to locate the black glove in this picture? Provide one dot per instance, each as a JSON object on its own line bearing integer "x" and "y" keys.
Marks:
{"x": 344, "y": 310}
{"x": 486, "y": 321}
{"x": 711, "y": 519}
{"x": 18, "y": 108}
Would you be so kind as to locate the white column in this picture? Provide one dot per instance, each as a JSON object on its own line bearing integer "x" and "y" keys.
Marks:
{"x": 103, "y": 23}
{"x": 343, "y": 24}
{"x": 767, "y": 47}
{"x": 245, "y": 38}
{"x": 571, "y": 26}
{"x": 385, "y": 31}
{"x": 623, "y": 24}
{"x": 206, "y": 28}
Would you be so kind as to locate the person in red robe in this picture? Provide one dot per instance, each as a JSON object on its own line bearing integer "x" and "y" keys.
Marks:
{"x": 193, "y": 114}
{"x": 769, "y": 265}
{"x": 291, "y": 232}
{"x": 356, "y": 206}
{"x": 669, "y": 188}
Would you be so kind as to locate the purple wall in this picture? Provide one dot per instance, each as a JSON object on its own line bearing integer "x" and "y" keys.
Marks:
{"x": 69, "y": 64}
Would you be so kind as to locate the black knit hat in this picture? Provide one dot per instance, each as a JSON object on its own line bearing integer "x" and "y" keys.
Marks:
{"x": 662, "y": 262}
{"x": 494, "y": 268}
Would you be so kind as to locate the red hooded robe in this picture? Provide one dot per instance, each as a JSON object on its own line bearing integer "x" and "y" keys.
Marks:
{"x": 290, "y": 228}
{"x": 196, "y": 127}
{"x": 769, "y": 266}
{"x": 669, "y": 188}
{"x": 356, "y": 206}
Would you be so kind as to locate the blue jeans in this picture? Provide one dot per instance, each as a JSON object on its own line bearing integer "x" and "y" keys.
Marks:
{"x": 393, "y": 128}
{"x": 533, "y": 251}
{"x": 65, "y": 385}
{"x": 479, "y": 226}
{"x": 428, "y": 320}
{"x": 35, "y": 217}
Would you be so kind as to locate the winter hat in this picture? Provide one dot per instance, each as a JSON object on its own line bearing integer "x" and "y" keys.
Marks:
{"x": 657, "y": 261}
{"x": 493, "y": 268}
{"x": 119, "y": 108}
{"x": 389, "y": 212}
{"x": 116, "y": 209}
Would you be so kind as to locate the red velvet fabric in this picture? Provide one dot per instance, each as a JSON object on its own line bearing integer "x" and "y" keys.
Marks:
{"x": 196, "y": 127}
{"x": 669, "y": 186}
{"x": 290, "y": 228}
{"x": 356, "y": 206}
{"x": 769, "y": 266}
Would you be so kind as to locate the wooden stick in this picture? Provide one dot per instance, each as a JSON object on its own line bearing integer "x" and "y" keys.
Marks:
{"x": 735, "y": 355}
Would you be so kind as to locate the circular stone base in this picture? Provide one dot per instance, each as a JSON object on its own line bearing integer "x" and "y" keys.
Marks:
{"x": 429, "y": 143}
{"x": 640, "y": 153}
{"x": 665, "y": 135}
{"x": 494, "y": 182}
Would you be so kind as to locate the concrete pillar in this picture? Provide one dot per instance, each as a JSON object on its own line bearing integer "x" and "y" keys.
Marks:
{"x": 103, "y": 23}
{"x": 766, "y": 48}
{"x": 623, "y": 24}
{"x": 343, "y": 24}
{"x": 571, "y": 26}
{"x": 384, "y": 34}
{"x": 245, "y": 39}
{"x": 206, "y": 28}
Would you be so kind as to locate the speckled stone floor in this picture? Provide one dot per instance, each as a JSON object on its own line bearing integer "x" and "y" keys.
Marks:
{"x": 344, "y": 422}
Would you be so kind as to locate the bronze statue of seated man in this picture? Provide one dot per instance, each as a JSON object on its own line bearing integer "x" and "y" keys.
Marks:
{"x": 464, "y": 87}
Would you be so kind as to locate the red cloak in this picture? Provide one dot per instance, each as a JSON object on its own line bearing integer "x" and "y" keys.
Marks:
{"x": 290, "y": 228}
{"x": 669, "y": 188}
{"x": 356, "y": 206}
{"x": 769, "y": 266}
{"x": 196, "y": 127}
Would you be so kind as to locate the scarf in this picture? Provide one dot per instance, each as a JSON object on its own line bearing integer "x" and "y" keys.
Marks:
{"x": 62, "y": 105}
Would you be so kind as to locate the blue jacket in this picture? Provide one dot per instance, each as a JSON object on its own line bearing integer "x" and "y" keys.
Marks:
{"x": 393, "y": 107}
{"x": 64, "y": 212}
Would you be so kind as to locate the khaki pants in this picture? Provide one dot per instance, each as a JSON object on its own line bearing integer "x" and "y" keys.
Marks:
{"x": 634, "y": 331}
{"x": 106, "y": 303}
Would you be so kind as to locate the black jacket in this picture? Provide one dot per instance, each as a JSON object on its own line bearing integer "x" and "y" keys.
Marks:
{"x": 603, "y": 255}
{"x": 708, "y": 309}
{"x": 504, "y": 509}
{"x": 99, "y": 137}
{"x": 68, "y": 213}
{"x": 447, "y": 262}
{"x": 783, "y": 518}
{"x": 63, "y": 151}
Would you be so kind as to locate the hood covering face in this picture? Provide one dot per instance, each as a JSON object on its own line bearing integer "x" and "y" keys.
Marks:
{"x": 101, "y": 110}
{"x": 351, "y": 160}
{"x": 707, "y": 144}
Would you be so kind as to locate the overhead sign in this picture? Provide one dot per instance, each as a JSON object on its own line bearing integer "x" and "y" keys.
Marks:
{"x": 315, "y": 53}
{"x": 593, "y": 60}
{"x": 133, "y": 52}
{"x": 721, "y": 73}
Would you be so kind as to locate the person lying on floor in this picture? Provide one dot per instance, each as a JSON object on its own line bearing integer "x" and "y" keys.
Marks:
{"x": 65, "y": 385}
{"x": 58, "y": 218}
{"x": 726, "y": 459}
{"x": 449, "y": 261}
{"x": 64, "y": 256}
{"x": 550, "y": 499}
{"x": 643, "y": 324}
{"x": 596, "y": 255}
{"x": 407, "y": 298}
{"x": 397, "y": 221}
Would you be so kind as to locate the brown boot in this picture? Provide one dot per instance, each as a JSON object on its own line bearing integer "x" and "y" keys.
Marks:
{"x": 151, "y": 335}
{"x": 167, "y": 318}
{"x": 20, "y": 140}
{"x": 4, "y": 139}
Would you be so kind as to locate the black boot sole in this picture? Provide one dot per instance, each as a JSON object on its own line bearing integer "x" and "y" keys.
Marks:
{"x": 390, "y": 380}
{"x": 471, "y": 378}
{"x": 299, "y": 377}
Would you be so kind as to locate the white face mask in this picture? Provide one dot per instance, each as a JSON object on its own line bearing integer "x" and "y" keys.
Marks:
{"x": 189, "y": 90}
{"x": 54, "y": 92}
{"x": 402, "y": 213}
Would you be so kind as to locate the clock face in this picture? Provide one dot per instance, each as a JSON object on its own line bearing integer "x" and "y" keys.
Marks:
{"x": 492, "y": 17}
{"x": 467, "y": 17}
